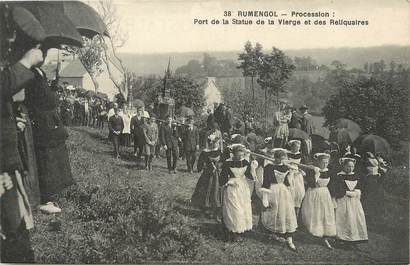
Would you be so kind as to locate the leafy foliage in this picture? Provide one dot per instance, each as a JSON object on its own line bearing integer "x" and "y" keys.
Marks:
{"x": 275, "y": 69}
{"x": 250, "y": 61}
{"x": 184, "y": 90}
{"x": 379, "y": 104}
{"x": 90, "y": 56}
{"x": 124, "y": 225}
{"x": 210, "y": 66}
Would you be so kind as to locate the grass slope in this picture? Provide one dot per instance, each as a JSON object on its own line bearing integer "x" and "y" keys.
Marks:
{"x": 92, "y": 163}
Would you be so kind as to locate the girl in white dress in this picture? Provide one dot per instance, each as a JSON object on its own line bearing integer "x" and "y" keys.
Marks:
{"x": 296, "y": 181}
{"x": 350, "y": 218}
{"x": 279, "y": 217}
{"x": 318, "y": 214}
{"x": 236, "y": 195}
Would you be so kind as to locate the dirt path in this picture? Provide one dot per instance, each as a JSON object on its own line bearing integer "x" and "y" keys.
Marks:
{"x": 92, "y": 163}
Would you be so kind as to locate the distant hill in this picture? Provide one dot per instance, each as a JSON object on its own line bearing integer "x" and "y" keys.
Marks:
{"x": 144, "y": 64}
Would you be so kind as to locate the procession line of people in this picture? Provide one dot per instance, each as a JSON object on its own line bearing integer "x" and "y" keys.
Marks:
{"x": 234, "y": 185}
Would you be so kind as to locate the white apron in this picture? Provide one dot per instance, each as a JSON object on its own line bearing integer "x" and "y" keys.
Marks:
{"x": 350, "y": 219}
{"x": 280, "y": 216}
{"x": 236, "y": 203}
{"x": 318, "y": 213}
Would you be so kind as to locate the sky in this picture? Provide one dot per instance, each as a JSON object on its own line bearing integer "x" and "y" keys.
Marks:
{"x": 154, "y": 26}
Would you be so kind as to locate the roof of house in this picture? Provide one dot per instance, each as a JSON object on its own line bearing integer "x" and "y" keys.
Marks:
{"x": 74, "y": 69}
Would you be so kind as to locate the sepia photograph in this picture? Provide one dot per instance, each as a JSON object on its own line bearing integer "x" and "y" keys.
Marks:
{"x": 204, "y": 132}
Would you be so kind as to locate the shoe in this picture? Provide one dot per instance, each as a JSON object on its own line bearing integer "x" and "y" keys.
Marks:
{"x": 146, "y": 168}
{"x": 291, "y": 246}
{"x": 174, "y": 171}
{"x": 327, "y": 243}
{"x": 50, "y": 208}
{"x": 170, "y": 171}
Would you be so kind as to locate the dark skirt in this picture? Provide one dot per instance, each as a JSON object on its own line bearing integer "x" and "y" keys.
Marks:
{"x": 54, "y": 170}
{"x": 27, "y": 153}
{"x": 207, "y": 192}
{"x": 126, "y": 139}
{"x": 372, "y": 198}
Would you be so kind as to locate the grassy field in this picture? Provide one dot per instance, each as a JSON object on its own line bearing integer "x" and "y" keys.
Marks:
{"x": 92, "y": 164}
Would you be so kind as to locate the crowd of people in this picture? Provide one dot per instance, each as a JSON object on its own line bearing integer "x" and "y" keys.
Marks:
{"x": 322, "y": 192}
{"x": 243, "y": 172}
{"x": 274, "y": 178}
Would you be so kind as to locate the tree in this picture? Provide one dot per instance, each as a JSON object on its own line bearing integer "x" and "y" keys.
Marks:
{"x": 275, "y": 69}
{"x": 366, "y": 67}
{"x": 102, "y": 49}
{"x": 117, "y": 39}
{"x": 392, "y": 66}
{"x": 250, "y": 62}
{"x": 193, "y": 69}
{"x": 186, "y": 92}
{"x": 90, "y": 56}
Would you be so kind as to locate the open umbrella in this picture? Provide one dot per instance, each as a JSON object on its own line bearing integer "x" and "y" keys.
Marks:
{"x": 373, "y": 143}
{"x": 349, "y": 125}
{"x": 185, "y": 111}
{"x": 57, "y": 27}
{"x": 138, "y": 103}
{"x": 295, "y": 133}
{"x": 322, "y": 132}
{"x": 86, "y": 20}
{"x": 345, "y": 136}
{"x": 27, "y": 22}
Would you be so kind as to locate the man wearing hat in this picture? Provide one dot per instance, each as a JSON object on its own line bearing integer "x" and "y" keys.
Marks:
{"x": 116, "y": 126}
{"x": 169, "y": 138}
{"x": 150, "y": 130}
{"x": 307, "y": 124}
{"x": 190, "y": 139}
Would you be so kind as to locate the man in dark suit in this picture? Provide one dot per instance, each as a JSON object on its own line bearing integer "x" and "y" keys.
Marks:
{"x": 137, "y": 132}
{"x": 191, "y": 144}
{"x": 307, "y": 124}
{"x": 116, "y": 125}
{"x": 169, "y": 139}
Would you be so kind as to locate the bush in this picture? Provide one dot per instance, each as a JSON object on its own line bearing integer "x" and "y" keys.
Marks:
{"x": 123, "y": 225}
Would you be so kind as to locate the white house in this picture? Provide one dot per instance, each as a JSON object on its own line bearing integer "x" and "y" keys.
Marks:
{"x": 75, "y": 74}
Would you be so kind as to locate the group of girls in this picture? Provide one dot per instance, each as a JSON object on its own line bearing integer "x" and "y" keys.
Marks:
{"x": 330, "y": 208}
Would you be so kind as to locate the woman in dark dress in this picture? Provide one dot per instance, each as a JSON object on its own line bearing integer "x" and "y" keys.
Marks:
{"x": 49, "y": 135}
{"x": 15, "y": 210}
{"x": 207, "y": 194}
{"x": 345, "y": 188}
{"x": 236, "y": 195}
